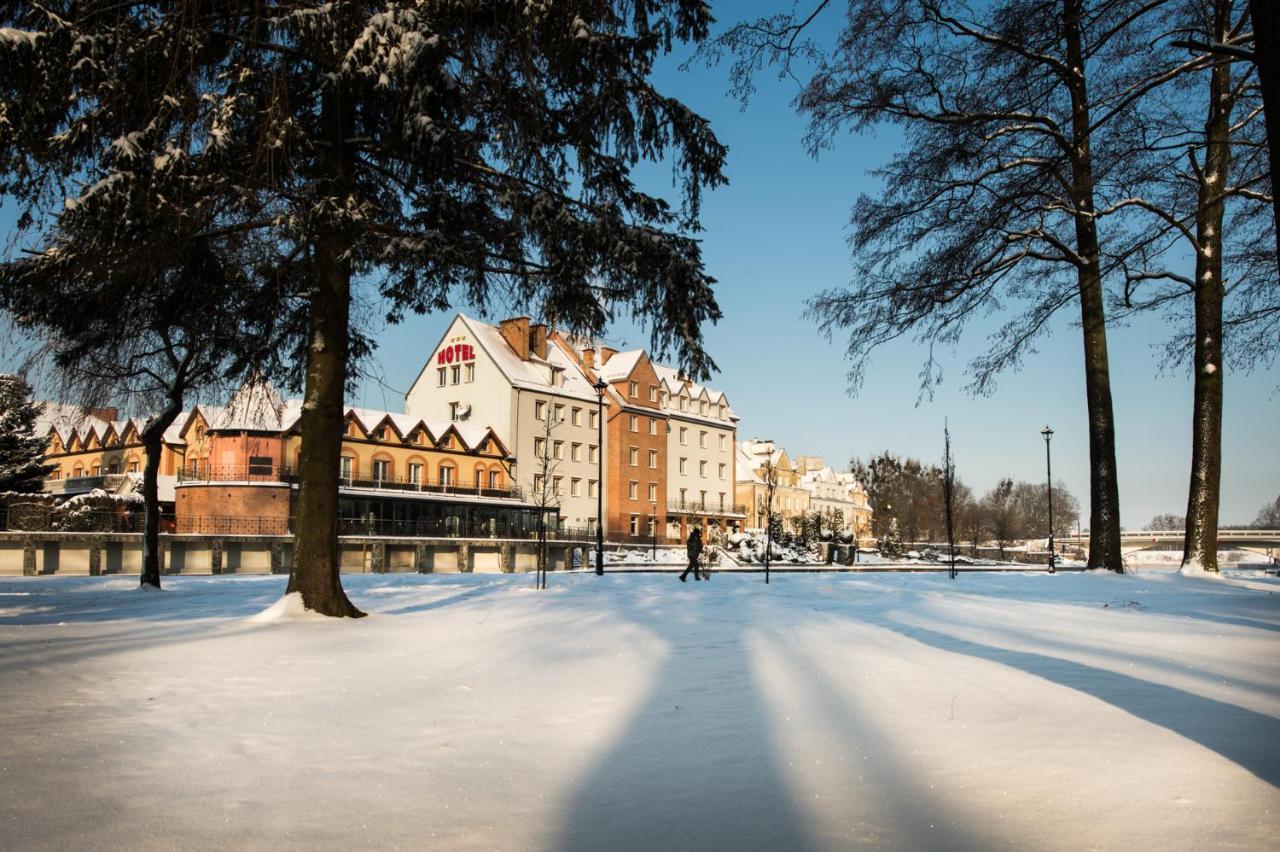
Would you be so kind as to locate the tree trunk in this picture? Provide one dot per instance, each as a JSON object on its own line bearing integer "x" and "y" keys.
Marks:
{"x": 1104, "y": 489}
{"x": 1265, "y": 15}
{"x": 153, "y": 444}
{"x": 1201, "y": 544}
{"x": 315, "y": 554}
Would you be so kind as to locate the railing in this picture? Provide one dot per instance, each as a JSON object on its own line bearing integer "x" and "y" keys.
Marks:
{"x": 83, "y": 484}
{"x": 287, "y": 475}
{"x": 688, "y": 507}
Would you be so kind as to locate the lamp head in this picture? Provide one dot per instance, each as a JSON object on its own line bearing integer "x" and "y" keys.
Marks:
{"x": 1047, "y": 432}
{"x": 600, "y": 386}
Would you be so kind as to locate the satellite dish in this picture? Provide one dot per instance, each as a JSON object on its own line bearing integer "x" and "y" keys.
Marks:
{"x": 464, "y": 410}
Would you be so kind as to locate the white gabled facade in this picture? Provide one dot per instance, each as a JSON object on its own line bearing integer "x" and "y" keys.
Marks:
{"x": 702, "y": 432}
{"x": 511, "y": 378}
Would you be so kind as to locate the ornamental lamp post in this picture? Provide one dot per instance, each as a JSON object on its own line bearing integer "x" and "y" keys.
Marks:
{"x": 1048, "y": 469}
{"x": 600, "y": 387}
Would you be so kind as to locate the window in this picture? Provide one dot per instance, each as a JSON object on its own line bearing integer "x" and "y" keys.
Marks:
{"x": 653, "y": 492}
{"x": 591, "y": 487}
{"x": 557, "y": 449}
{"x": 721, "y": 499}
{"x": 455, "y": 374}
{"x": 633, "y": 390}
{"x": 653, "y": 459}
{"x": 495, "y": 479}
{"x": 441, "y": 373}
{"x": 258, "y": 465}
{"x": 722, "y": 440}
{"x": 702, "y": 439}
{"x": 635, "y": 423}
{"x": 539, "y": 447}
{"x": 133, "y": 466}
{"x": 633, "y": 489}
{"x": 702, "y": 498}
{"x": 415, "y": 473}
{"x": 345, "y": 464}
{"x": 575, "y": 416}
{"x": 653, "y": 393}
{"x": 702, "y": 468}
{"x": 633, "y": 456}
{"x": 537, "y": 484}
{"x": 664, "y": 400}
{"x": 723, "y": 466}
{"x": 575, "y": 451}
{"x": 702, "y": 407}
{"x": 684, "y": 463}
{"x": 558, "y": 410}
{"x": 684, "y": 435}
{"x": 575, "y": 487}
{"x": 381, "y": 470}
{"x": 722, "y": 411}
{"x": 471, "y": 372}
{"x": 557, "y": 485}
{"x": 635, "y": 524}
{"x": 595, "y": 419}
{"x": 593, "y": 453}
{"x": 653, "y": 425}
{"x": 453, "y": 411}
{"x": 540, "y": 410}
{"x": 446, "y": 474}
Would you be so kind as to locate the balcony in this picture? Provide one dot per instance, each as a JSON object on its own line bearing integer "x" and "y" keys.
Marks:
{"x": 676, "y": 506}
{"x": 73, "y": 485}
{"x": 267, "y": 473}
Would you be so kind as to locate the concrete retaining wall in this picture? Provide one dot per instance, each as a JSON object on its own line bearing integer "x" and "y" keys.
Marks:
{"x": 37, "y": 553}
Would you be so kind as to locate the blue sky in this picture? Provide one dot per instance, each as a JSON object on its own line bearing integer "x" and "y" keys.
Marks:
{"x": 776, "y": 235}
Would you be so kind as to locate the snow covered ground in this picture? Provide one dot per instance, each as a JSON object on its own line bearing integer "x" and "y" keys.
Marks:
{"x": 825, "y": 711}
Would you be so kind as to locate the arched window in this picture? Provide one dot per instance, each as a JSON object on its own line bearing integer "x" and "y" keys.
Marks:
{"x": 79, "y": 471}
{"x": 448, "y": 474}
{"x": 480, "y": 476}
{"x": 495, "y": 477}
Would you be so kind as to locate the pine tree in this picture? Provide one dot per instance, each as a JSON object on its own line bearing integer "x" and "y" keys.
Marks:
{"x": 891, "y": 541}
{"x": 22, "y": 466}
{"x": 476, "y": 151}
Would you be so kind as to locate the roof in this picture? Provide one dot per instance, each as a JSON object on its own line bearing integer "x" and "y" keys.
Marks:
{"x": 620, "y": 365}
{"x": 534, "y": 374}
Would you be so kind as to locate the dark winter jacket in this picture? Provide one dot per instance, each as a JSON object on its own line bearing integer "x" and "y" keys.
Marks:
{"x": 694, "y": 546}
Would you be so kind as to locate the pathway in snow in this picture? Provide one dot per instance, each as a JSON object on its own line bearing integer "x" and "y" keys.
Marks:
{"x": 825, "y": 711}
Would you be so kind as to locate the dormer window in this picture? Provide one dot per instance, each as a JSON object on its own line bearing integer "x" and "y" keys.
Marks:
{"x": 633, "y": 390}
{"x": 557, "y": 376}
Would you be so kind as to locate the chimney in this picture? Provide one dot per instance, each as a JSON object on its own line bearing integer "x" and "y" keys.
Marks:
{"x": 516, "y": 332}
{"x": 606, "y": 352}
{"x": 108, "y": 414}
{"x": 589, "y": 358}
{"x": 538, "y": 340}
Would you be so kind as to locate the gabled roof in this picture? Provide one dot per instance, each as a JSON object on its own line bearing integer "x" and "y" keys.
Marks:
{"x": 620, "y": 365}
{"x": 534, "y": 374}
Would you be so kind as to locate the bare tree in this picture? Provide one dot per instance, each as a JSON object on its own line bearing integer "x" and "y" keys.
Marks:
{"x": 1011, "y": 112}
{"x": 948, "y": 497}
{"x": 545, "y": 490}
{"x": 1198, "y": 181}
{"x": 768, "y": 472}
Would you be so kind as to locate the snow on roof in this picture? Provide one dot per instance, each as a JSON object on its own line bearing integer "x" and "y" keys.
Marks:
{"x": 255, "y": 407}
{"x": 534, "y": 374}
{"x": 746, "y": 467}
{"x": 619, "y": 366}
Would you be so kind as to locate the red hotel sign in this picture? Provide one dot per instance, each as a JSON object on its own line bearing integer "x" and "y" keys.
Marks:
{"x": 458, "y": 353}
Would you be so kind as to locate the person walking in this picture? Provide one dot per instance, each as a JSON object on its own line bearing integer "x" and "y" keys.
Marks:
{"x": 693, "y": 547}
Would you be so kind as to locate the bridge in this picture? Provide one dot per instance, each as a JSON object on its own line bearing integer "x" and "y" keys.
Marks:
{"x": 1266, "y": 542}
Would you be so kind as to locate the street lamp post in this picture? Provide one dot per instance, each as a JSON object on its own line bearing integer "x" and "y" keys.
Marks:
{"x": 1048, "y": 469}
{"x": 654, "y": 531}
{"x": 600, "y": 387}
